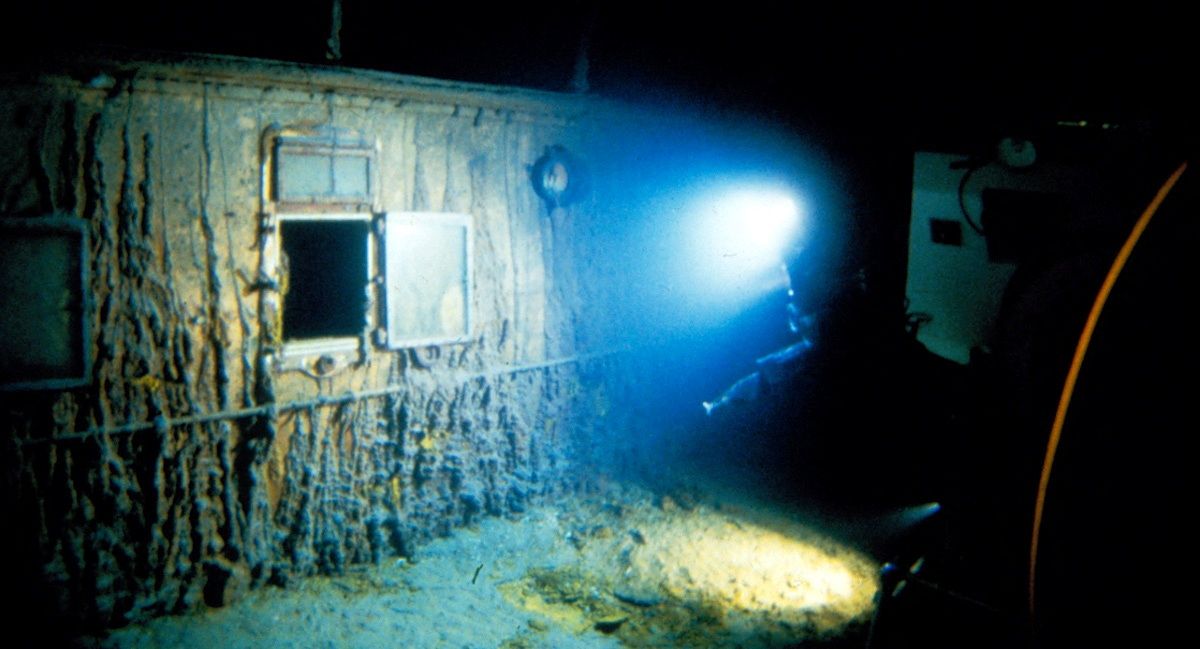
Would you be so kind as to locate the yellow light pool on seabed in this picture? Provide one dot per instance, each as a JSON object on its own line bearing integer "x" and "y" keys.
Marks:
{"x": 743, "y": 567}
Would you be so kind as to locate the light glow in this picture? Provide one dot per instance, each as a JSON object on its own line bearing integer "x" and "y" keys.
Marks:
{"x": 742, "y": 235}
{"x": 724, "y": 576}
{"x": 910, "y": 516}
{"x": 751, "y": 570}
{"x": 754, "y": 224}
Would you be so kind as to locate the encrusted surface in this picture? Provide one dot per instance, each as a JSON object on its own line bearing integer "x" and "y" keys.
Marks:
{"x": 166, "y": 175}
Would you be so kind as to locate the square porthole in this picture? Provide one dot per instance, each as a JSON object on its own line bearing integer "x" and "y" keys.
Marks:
{"x": 44, "y": 308}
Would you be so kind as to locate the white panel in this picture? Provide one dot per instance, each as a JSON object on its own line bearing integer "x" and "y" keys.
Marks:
{"x": 955, "y": 284}
{"x": 958, "y": 285}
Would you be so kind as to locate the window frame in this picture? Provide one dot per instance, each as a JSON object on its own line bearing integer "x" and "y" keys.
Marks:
{"x": 306, "y": 347}
{"x": 332, "y": 351}
{"x": 327, "y": 145}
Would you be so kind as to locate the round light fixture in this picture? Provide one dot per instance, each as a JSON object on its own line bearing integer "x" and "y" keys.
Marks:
{"x": 557, "y": 177}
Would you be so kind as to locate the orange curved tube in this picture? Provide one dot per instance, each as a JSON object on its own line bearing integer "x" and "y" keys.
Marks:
{"x": 1085, "y": 339}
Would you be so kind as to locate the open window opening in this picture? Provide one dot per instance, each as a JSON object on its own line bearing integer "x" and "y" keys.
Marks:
{"x": 326, "y": 262}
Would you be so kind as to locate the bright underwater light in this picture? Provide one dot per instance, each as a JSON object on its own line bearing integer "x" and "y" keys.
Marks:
{"x": 754, "y": 224}
{"x": 741, "y": 237}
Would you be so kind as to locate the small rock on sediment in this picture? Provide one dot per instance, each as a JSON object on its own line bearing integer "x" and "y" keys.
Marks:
{"x": 638, "y": 594}
{"x": 609, "y": 625}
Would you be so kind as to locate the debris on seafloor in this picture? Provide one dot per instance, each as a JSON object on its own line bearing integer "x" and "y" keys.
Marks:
{"x": 609, "y": 625}
{"x": 637, "y": 593}
{"x": 680, "y": 497}
{"x": 715, "y": 576}
{"x": 616, "y": 510}
{"x": 574, "y": 539}
{"x": 520, "y": 641}
{"x": 696, "y": 578}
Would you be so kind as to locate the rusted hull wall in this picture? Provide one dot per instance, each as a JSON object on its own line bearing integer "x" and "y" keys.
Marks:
{"x": 165, "y": 172}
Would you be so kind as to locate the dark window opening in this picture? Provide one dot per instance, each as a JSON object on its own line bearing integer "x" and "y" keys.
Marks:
{"x": 326, "y": 278}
